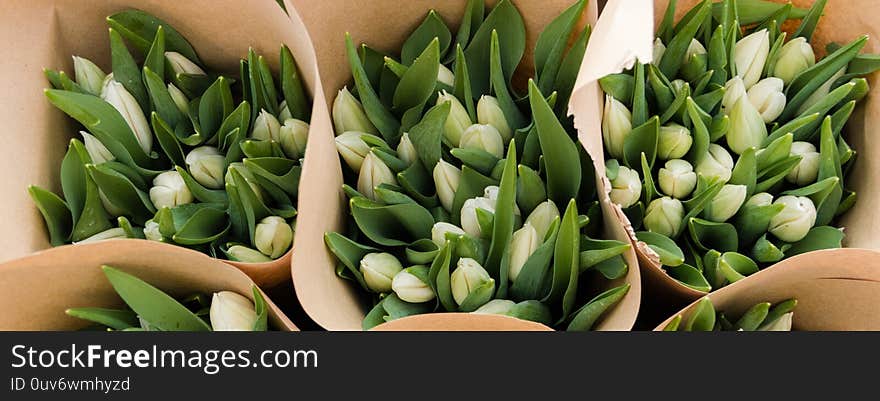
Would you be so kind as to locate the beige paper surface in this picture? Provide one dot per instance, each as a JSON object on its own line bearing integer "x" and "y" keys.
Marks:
{"x": 460, "y": 322}
{"x": 332, "y": 302}
{"x": 836, "y": 289}
{"x": 46, "y": 33}
{"x": 37, "y": 289}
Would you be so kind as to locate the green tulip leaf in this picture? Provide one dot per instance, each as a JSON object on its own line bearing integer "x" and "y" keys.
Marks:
{"x": 292, "y": 87}
{"x": 498, "y": 82}
{"x": 752, "y": 319}
{"x": 709, "y": 235}
{"x": 507, "y": 21}
{"x": 427, "y": 135}
{"x": 530, "y": 284}
{"x": 115, "y": 319}
{"x": 587, "y": 315}
{"x": 670, "y": 253}
{"x": 126, "y": 70}
{"x": 690, "y": 277}
{"x": 380, "y": 116}
{"x": 559, "y": 150}
{"x": 55, "y": 213}
{"x": 432, "y": 27}
{"x": 702, "y": 317}
{"x": 349, "y": 253}
{"x": 392, "y": 225}
{"x": 818, "y": 238}
{"x": 155, "y": 58}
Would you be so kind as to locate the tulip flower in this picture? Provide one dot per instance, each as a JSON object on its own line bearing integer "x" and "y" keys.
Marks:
{"x": 439, "y": 231}
{"x": 374, "y": 172}
{"x": 759, "y": 200}
{"x": 750, "y": 55}
{"x": 542, "y": 217}
{"x": 734, "y": 90}
{"x": 726, "y": 203}
{"x": 266, "y": 127}
{"x": 626, "y": 188}
{"x": 294, "y": 135}
{"x": 410, "y": 288}
{"x": 379, "y": 270}
{"x": 115, "y": 94}
{"x": 794, "y": 221}
{"x": 353, "y": 149}
{"x": 616, "y": 126}
{"x": 467, "y": 278}
{"x": 112, "y": 233}
{"x": 807, "y": 170}
{"x": 88, "y": 75}
{"x": 169, "y": 190}
{"x": 446, "y": 178}
{"x": 659, "y": 51}
{"x": 794, "y": 58}
{"x": 677, "y": 179}
{"x": 483, "y": 137}
{"x": 349, "y": 114}
{"x": 747, "y": 128}
{"x": 664, "y": 216}
{"x": 284, "y": 114}
{"x": 96, "y": 150}
{"x": 716, "y": 164}
{"x": 182, "y": 65}
{"x": 406, "y": 150}
{"x": 179, "y": 99}
{"x": 151, "y": 231}
{"x": 232, "y": 312}
{"x": 522, "y": 245}
{"x": 241, "y": 253}
{"x": 489, "y": 112}
{"x": 674, "y": 142}
{"x": 457, "y": 121}
{"x": 208, "y": 166}
{"x": 273, "y": 236}
{"x": 768, "y": 99}
{"x": 469, "y": 221}
{"x": 445, "y": 76}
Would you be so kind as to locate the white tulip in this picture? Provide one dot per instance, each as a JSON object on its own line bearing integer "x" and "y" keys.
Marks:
{"x": 374, "y": 172}
{"x": 406, "y": 150}
{"x": 677, "y": 179}
{"x": 483, "y": 137}
{"x": 523, "y": 244}
{"x": 208, "y": 166}
{"x": 232, "y": 312}
{"x": 353, "y": 149}
{"x": 768, "y": 98}
{"x": 659, "y": 51}
{"x": 664, "y": 216}
{"x": 616, "y": 126}
{"x": 115, "y": 94}
{"x": 794, "y": 58}
{"x": 379, "y": 270}
{"x": 410, "y": 288}
{"x": 446, "y": 178}
{"x": 783, "y": 323}
{"x": 113, "y": 233}
{"x": 456, "y": 122}
{"x": 349, "y": 114}
{"x": 469, "y": 221}
{"x": 726, "y": 203}
{"x": 294, "y": 136}
{"x": 794, "y": 221}
{"x": 674, "y": 142}
{"x": 734, "y": 90}
{"x": 445, "y": 76}
{"x": 179, "y": 99}
{"x": 750, "y": 55}
{"x": 626, "y": 188}
{"x": 489, "y": 112}
{"x": 88, "y": 75}
{"x": 807, "y": 171}
{"x": 151, "y": 231}
{"x": 273, "y": 236}
{"x": 266, "y": 127}
{"x": 241, "y": 253}
{"x": 96, "y": 150}
{"x": 495, "y": 307}
{"x": 467, "y": 277}
{"x": 542, "y": 218}
{"x": 716, "y": 164}
{"x": 747, "y": 128}
{"x": 182, "y": 65}
{"x": 169, "y": 190}
{"x": 439, "y": 231}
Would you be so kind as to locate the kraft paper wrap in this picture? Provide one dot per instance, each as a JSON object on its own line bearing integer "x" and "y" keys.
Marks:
{"x": 37, "y": 289}
{"x": 842, "y": 22}
{"x": 46, "y": 33}
{"x": 337, "y": 304}
{"x": 842, "y": 295}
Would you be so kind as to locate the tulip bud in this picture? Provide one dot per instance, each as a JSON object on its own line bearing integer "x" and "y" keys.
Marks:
{"x": 659, "y": 51}
{"x": 349, "y": 115}
{"x": 353, "y": 149}
{"x": 626, "y": 188}
{"x": 410, "y": 288}
{"x": 445, "y": 76}
{"x": 821, "y": 92}
{"x": 542, "y": 217}
{"x": 691, "y": 70}
{"x": 110, "y": 207}
{"x": 695, "y": 48}
{"x": 794, "y": 57}
{"x": 734, "y": 90}
{"x": 807, "y": 170}
{"x": 241, "y": 253}
{"x": 294, "y": 135}
{"x": 266, "y": 127}
{"x": 96, "y": 150}
{"x": 88, "y": 75}
{"x": 495, "y": 307}
{"x": 379, "y": 270}
{"x": 747, "y": 128}
{"x": 374, "y": 172}
{"x": 726, "y": 203}
{"x": 674, "y": 142}
{"x": 115, "y": 94}
{"x": 469, "y": 221}
{"x": 284, "y": 114}
{"x": 768, "y": 99}
{"x": 491, "y": 193}
{"x": 522, "y": 245}
{"x": 232, "y": 312}
{"x": 113, "y": 233}
{"x": 406, "y": 150}
{"x": 208, "y": 166}
{"x": 759, "y": 200}
{"x": 248, "y": 178}
{"x": 151, "y": 231}
{"x": 182, "y": 65}
{"x": 716, "y": 164}
{"x": 794, "y": 221}
{"x": 179, "y": 99}
{"x": 483, "y": 137}
{"x": 467, "y": 277}
{"x": 457, "y": 121}
{"x": 439, "y": 231}
{"x": 664, "y": 216}
{"x": 750, "y": 55}
{"x": 169, "y": 190}
{"x": 616, "y": 126}
{"x": 677, "y": 178}
{"x": 446, "y": 178}
{"x": 273, "y": 236}
{"x": 783, "y": 323}
{"x": 489, "y": 112}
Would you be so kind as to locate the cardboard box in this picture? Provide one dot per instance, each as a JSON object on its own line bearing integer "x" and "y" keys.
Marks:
{"x": 37, "y": 289}
{"x": 332, "y": 302}
{"x": 46, "y": 33}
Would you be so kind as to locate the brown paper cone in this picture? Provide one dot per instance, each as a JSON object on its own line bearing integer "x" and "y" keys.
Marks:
{"x": 460, "y": 322}
{"x": 332, "y": 302}
{"x": 46, "y": 33}
{"x": 37, "y": 289}
{"x": 842, "y": 298}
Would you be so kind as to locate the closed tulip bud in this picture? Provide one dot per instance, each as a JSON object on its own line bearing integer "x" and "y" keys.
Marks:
{"x": 750, "y": 55}
{"x": 469, "y": 221}
{"x": 113, "y": 233}
{"x": 674, "y": 142}
{"x": 783, "y": 323}
{"x": 266, "y": 127}
{"x": 716, "y": 164}
{"x": 678, "y": 85}
{"x": 734, "y": 90}
{"x": 446, "y": 178}
{"x": 695, "y": 48}
{"x": 664, "y": 216}
{"x": 208, "y": 166}
{"x": 439, "y": 231}
{"x": 284, "y": 114}
{"x": 110, "y": 207}
{"x": 445, "y": 76}
{"x": 522, "y": 245}
{"x": 457, "y": 121}
{"x": 179, "y": 99}
{"x": 495, "y": 307}
{"x": 247, "y": 175}
{"x": 747, "y": 128}
{"x": 232, "y": 312}
{"x": 151, "y": 231}
{"x": 379, "y": 270}
{"x": 821, "y": 92}
{"x": 467, "y": 277}
{"x": 489, "y": 112}
{"x": 807, "y": 170}
{"x": 768, "y": 99}
{"x": 349, "y": 114}
{"x": 410, "y": 288}
{"x": 483, "y": 137}
{"x": 794, "y": 221}
{"x": 677, "y": 179}
{"x": 353, "y": 149}
{"x": 626, "y": 188}
{"x": 616, "y": 126}
{"x": 88, "y": 75}
{"x": 96, "y": 150}
{"x": 406, "y": 150}
{"x": 542, "y": 217}
{"x": 726, "y": 203}
{"x": 294, "y": 135}
{"x": 241, "y": 253}
{"x": 115, "y": 94}
{"x": 759, "y": 200}
{"x": 491, "y": 193}
{"x": 374, "y": 172}
{"x": 182, "y": 65}
{"x": 794, "y": 58}
{"x": 659, "y": 51}
{"x": 273, "y": 236}
{"x": 169, "y": 190}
